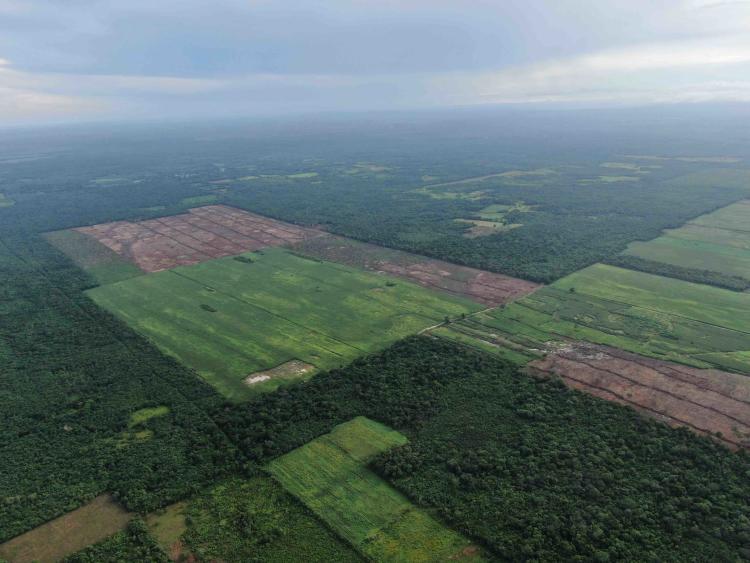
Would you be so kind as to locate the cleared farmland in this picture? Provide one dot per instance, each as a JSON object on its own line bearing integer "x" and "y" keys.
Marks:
{"x": 234, "y": 316}
{"x": 330, "y": 476}
{"x": 102, "y": 263}
{"x": 201, "y": 234}
{"x": 674, "y": 320}
{"x": 67, "y": 534}
{"x": 484, "y": 287}
{"x": 709, "y": 402}
{"x": 717, "y": 242}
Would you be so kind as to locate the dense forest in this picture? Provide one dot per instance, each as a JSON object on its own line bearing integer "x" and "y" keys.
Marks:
{"x": 530, "y": 468}
{"x": 75, "y": 382}
{"x": 72, "y": 377}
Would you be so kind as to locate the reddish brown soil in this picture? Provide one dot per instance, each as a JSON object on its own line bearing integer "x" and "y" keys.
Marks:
{"x": 201, "y": 234}
{"x": 709, "y": 402}
{"x": 484, "y": 287}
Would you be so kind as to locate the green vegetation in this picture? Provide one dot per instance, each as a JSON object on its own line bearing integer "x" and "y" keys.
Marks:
{"x": 102, "y": 264}
{"x": 228, "y": 319}
{"x": 253, "y": 519}
{"x": 198, "y": 200}
{"x": 717, "y": 243}
{"x": 5, "y": 201}
{"x": 578, "y": 219}
{"x": 132, "y": 544}
{"x": 652, "y": 315}
{"x": 529, "y": 468}
{"x": 329, "y": 475}
{"x": 143, "y": 415}
{"x": 695, "y": 275}
{"x": 72, "y": 377}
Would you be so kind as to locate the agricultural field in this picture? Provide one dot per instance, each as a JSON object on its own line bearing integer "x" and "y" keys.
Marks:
{"x": 330, "y": 476}
{"x": 103, "y": 264}
{"x": 67, "y": 534}
{"x": 669, "y": 319}
{"x": 709, "y": 402}
{"x": 201, "y": 234}
{"x": 484, "y": 287}
{"x": 717, "y": 242}
{"x": 233, "y": 317}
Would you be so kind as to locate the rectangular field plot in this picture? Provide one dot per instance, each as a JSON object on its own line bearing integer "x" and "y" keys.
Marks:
{"x": 330, "y": 476}
{"x": 232, "y": 317}
{"x": 484, "y": 287}
{"x": 67, "y": 534}
{"x": 201, "y": 234}
{"x": 689, "y": 323}
{"x": 717, "y": 242}
{"x": 709, "y": 402}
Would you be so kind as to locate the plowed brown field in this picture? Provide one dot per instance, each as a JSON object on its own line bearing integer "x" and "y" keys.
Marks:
{"x": 709, "y": 402}
{"x": 484, "y": 287}
{"x": 201, "y": 234}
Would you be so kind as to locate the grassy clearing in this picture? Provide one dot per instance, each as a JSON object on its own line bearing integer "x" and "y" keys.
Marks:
{"x": 167, "y": 525}
{"x": 330, "y": 476}
{"x": 695, "y": 324}
{"x": 142, "y": 415}
{"x": 227, "y": 319}
{"x": 103, "y": 264}
{"x": 67, "y": 534}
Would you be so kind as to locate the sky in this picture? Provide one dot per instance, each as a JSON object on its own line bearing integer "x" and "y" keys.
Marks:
{"x": 85, "y": 60}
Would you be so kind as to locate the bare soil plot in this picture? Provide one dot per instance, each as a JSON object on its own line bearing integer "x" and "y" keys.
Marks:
{"x": 293, "y": 369}
{"x": 709, "y": 402}
{"x": 67, "y": 534}
{"x": 201, "y": 234}
{"x": 484, "y": 287}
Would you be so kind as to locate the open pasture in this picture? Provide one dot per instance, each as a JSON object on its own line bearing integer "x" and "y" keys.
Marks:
{"x": 669, "y": 319}
{"x": 709, "y": 402}
{"x": 201, "y": 234}
{"x": 67, "y": 534}
{"x": 717, "y": 242}
{"x": 484, "y": 287}
{"x": 232, "y": 317}
{"x": 330, "y": 476}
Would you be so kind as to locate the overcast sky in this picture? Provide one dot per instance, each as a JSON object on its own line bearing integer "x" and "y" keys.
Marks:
{"x": 87, "y": 59}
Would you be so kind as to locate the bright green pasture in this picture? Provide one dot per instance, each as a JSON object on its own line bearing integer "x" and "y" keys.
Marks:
{"x": 697, "y": 254}
{"x": 718, "y": 242}
{"x": 330, "y": 476}
{"x": 695, "y": 324}
{"x": 714, "y": 306}
{"x": 103, "y": 264}
{"x": 228, "y": 318}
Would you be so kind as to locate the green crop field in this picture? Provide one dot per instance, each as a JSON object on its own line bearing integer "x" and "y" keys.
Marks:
{"x": 229, "y": 318}
{"x": 661, "y": 317}
{"x": 330, "y": 476}
{"x": 102, "y": 264}
{"x": 717, "y": 242}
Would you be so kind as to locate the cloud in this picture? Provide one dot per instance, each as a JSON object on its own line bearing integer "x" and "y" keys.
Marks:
{"x": 142, "y": 58}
